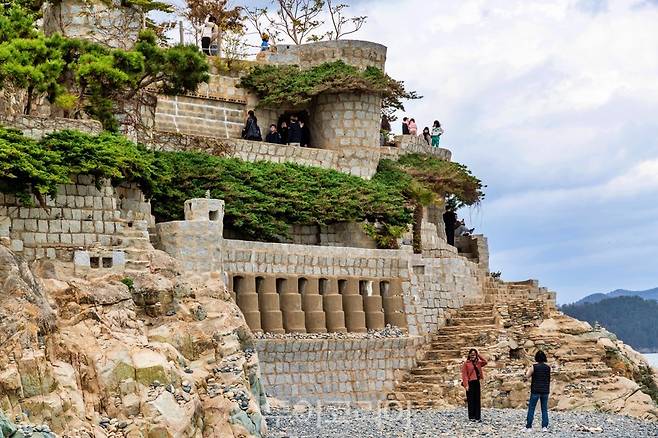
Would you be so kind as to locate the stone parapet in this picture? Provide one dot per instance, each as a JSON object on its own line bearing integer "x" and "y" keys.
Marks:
{"x": 37, "y": 127}
{"x": 360, "y": 54}
{"x": 352, "y": 370}
{"x": 410, "y": 144}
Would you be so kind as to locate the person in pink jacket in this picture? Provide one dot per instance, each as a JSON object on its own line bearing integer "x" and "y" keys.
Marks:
{"x": 471, "y": 375}
{"x": 413, "y": 128}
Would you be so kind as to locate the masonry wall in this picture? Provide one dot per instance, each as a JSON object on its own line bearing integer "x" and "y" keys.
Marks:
{"x": 360, "y": 54}
{"x": 345, "y": 120}
{"x": 37, "y": 127}
{"x": 80, "y": 216}
{"x": 410, "y": 144}
{"x": 334, "y": 369}
{"x": 341, "y": 234}
{"x": 107, "y": 23}
{"x": 209, "y": 116}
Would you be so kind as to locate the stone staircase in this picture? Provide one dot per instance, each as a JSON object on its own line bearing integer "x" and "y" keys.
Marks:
{"x": 136, "y": 244}
{"x": 437, "y": 377}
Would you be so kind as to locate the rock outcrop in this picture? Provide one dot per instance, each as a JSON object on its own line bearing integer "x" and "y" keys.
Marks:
{"x": 156, "y": 354}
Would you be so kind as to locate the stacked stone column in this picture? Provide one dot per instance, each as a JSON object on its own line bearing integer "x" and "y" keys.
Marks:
{"x": 291, "y": 306}
{"x": 332, "y": 303}
{"x": 312, "y": 306}
{"x": 355, "y": 317}
{"x": 394, "y": 305}
{"x": 372, "y": 304}
{"x": 247, "y": 299}
{"x": 270, "y": 311}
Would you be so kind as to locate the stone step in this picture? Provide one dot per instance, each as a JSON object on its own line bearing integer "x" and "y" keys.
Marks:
{"x": 133, "y": 233}
{"x": 443, "y": 354}
{"x": 474, "y": 314}
{"x": 468, "y": 329}
{"x": 479, "y": 306}
{"x": 472, "y": 321}
{"x": 134, "y": 243}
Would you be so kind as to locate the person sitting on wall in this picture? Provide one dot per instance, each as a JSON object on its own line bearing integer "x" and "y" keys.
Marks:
{"x": 284, "y": 132}
{"x": 251, "y": 131}
{"x": 461, "y": 229}
{"x": 405, "y": 126}
{"x": 436, "y": 133}
{"x": 208, "y": 32}
{"x": 294, "y": 132}
{"x": 450, "y": 220}
{"x": 306, "y": 135}
{"x": 426, "y": 135}
{"x": 273, "y": 136}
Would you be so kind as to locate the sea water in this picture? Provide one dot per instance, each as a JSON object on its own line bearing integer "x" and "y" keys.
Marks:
{"x": 652, "y": 358}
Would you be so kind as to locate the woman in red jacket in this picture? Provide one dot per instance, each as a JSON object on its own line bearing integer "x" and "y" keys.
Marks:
{"x": 471, "y": 375}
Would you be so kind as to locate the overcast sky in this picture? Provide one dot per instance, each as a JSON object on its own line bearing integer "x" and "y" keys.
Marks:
{"x": 554, "y": 105}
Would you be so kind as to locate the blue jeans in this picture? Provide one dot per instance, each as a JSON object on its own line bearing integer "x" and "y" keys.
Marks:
{"x": 543, "y": 398}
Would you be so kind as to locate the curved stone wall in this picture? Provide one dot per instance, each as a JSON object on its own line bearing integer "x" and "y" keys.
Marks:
{"x": 360, "y": 54}
{"x": 345, "y": 120}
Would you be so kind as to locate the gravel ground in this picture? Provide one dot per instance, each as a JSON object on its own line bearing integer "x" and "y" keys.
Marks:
{"x": 334, "y": 422}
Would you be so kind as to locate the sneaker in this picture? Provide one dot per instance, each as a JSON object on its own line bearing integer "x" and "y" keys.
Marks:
{"x": 544, "y": 429}
{"x": 528, "y": 430}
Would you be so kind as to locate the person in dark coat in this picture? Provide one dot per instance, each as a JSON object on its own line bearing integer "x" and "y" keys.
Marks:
{"x": 273, "y": 136}
{"x": 540, "y": 387}
{"x": 450, "y": 221}
{"x": 251, "y": 130}
{"x": 284, "y": 132}
{"x": 306, "y": 135}
{"x": 294, "y": 132}
{"x": 405, "y": 126}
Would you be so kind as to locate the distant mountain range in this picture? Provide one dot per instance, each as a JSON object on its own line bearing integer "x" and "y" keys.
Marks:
{"x": 649, "y": 294}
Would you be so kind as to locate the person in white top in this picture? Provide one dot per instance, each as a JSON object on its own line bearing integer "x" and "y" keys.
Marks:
{"x": 208, "y": 33}
{"x": 436, "y": 132}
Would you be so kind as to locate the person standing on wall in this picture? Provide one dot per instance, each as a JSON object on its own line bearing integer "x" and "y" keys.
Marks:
{"x": 472, "y": 374}
{"x": 273, "y": 136}
{"x": 405, "y": 126}
{"x": 540, "y": 386}
{"x": 436, "y": 133}
{"x": 208, "y": 32}
{"x": 450, "y": 220}
{"x": 251, "y": 131}
{"x": 413, "y": 128}
{"x": 294, "y": 132}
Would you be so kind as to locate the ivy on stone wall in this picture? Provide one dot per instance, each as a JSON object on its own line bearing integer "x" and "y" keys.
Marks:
{"x": 289, "y": 85}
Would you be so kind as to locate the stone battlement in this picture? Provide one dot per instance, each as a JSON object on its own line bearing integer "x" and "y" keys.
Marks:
{"x": 360, "y": 54}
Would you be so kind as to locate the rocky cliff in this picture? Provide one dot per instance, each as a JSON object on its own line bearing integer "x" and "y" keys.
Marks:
{"x": 154, "y": 354}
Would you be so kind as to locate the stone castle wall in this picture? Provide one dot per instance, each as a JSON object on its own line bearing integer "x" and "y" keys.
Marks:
{"x": 410, "y": 144}
{"x": 81, "y": 216}
{"x": 360, "y": 54}
{"x": 308, "y": 370}
{"x": 108, "y": 23}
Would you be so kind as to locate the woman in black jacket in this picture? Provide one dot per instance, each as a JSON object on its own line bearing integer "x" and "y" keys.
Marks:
{"x": 539, "y": 389}
{"x": 251, "y": 131}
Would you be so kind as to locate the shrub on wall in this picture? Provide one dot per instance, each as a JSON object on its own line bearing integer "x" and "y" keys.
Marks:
{"x": 262, "y": 198}
{"x": 288, "y": 85}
